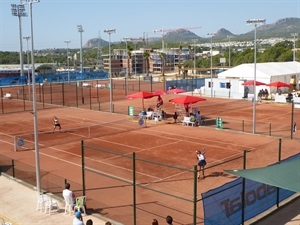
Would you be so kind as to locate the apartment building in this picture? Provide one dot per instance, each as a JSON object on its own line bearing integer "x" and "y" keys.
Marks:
{"x": 159, "y": 62}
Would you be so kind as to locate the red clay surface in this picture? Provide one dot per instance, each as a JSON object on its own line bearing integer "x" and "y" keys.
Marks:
{"x": 163, "y": 142}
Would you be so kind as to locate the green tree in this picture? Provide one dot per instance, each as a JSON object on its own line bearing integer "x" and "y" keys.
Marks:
{"x": 147, "y": 56}
{"x": 129, "y": 56}
{"x": 163, "y": 61}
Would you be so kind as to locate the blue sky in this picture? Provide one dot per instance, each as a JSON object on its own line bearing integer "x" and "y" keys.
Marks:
{"x": 55, "y": 21}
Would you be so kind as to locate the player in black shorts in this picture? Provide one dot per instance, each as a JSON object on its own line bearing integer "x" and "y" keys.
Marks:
{"x": 56, "y": 123}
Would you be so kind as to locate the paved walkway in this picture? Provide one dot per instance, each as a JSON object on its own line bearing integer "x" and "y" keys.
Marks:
{"x": 18, "y": 206}
{"x": 288, "y": 214}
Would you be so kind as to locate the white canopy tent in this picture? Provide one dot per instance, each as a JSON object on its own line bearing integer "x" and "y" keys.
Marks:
{"x": 265, "y": 72}
{"x": 286, "y": 72}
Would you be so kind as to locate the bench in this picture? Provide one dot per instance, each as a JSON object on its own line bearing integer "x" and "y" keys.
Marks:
{"x": 7, "y": 96}
{"x": 86, "y": 85}
{"x": 100, "y": 86}
{"x": 186, "y": 121}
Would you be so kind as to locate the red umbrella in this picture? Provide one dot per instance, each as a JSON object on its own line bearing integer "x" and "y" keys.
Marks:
{"x": 176, "y": 91}
{"x": 142, "y": 95}
{"x": 159, "y": 92}
{"x": 186, "y": 100}
{"x": 251, "y": 82}
{"x": 278, "y": 84}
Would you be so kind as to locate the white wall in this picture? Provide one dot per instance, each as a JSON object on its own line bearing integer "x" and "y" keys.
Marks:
{"x": 236, "y": 90}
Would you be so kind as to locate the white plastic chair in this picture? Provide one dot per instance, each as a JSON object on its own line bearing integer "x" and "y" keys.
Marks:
{"x": 50, "y": 204}
{"x": 68, "y": 204}
{"x": 80, "y": 204}
{"x": 149, "y": 115}
{"x": 40, "y": 202}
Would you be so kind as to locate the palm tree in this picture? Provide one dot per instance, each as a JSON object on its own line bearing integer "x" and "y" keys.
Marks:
{"x": 179, "y": 59}
{"x": 129, "y": 50}
{"x": 163, "y": 59}
{"x": 147, "y": 56}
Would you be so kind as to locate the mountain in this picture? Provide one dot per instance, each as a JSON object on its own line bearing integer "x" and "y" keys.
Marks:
{"x": 95, "y": 42}
{"x": 180, "y": 35}
{"x": 281, "y": 28}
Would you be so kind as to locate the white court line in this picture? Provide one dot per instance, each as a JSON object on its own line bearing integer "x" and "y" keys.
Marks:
{"x": 142, "y": 132}
{"x": 6, "y": 142}
{"x": 94, "y": 160}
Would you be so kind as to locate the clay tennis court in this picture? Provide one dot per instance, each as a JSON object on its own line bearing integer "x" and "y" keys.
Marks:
{"x": 174, "y": 145}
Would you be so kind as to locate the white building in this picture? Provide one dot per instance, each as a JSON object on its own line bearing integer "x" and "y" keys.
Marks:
{"x": 229, "y": 83}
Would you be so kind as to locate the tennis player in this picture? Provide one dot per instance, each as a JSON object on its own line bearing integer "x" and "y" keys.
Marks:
{"x": 56, "y": 123}
{"x": 201, "y": 162}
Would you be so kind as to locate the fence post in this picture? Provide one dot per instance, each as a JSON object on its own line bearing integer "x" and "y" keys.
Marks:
{"x": 24, "y": 102}
{"x": 292, "y": 120}
{"x": 90, "y": 97}
{"x": 279, "y": 150}
{"x": 195, "y": 196}
{"x": 63, "y": 93}
{"x": 279, "y": 159}
{"x": 270, "y": 129}
{"x": 51, "y": 92}
{"x": 82, "y": 167}
{"x": 13, "y": 168}
{"x": 40, "y": 95}
{"x": 243, "y": 190}
{"x": 76, "y": 96}
{"x": 139, "y": 83}
{"x": 2, "y": 109}
{"x": 243, "y": 125}
{"x": 134, "y": 188}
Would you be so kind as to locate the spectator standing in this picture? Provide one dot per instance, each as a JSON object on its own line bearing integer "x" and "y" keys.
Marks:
{"x": 186, "y": 107}
{"x": 159, "y": 102}
{"x": 67, "y": 192}
{"x": 199, "y": 119}
{"x": 175, "y": 117}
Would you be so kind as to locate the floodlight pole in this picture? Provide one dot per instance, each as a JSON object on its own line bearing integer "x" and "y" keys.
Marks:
{"x": 126, "y": 39}
{"x": 35, "y": 116}
{"x": 28, "y": 73}
{"x": 294, "y": 52}
{"x": 194, "y": 40}
{"x": 80, "y": 30}
{"x": 19, "y": 11}
{"x": 67, "y": 42}
{"x": 255, "y": 22}
{"x": 229, "y": 54}
{"x": 211, "y": 76}
{"x": 110, "y": 31}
